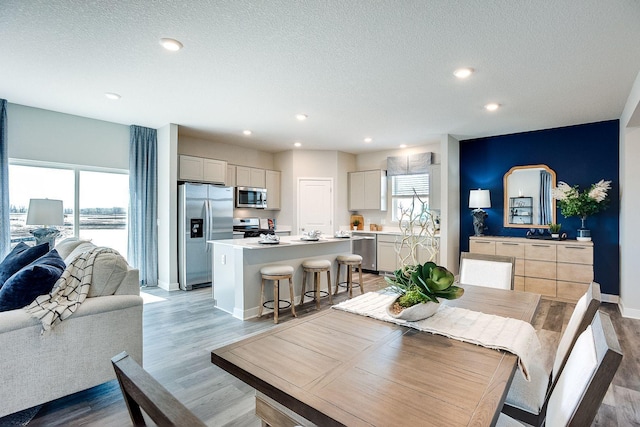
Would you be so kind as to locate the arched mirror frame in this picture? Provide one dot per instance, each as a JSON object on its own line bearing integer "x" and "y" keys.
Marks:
{"x": 505, "y": 189}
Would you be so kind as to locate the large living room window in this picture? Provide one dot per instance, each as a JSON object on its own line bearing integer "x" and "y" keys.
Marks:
{"x": 95, "y": 201}
{"x": 402, "y": 191}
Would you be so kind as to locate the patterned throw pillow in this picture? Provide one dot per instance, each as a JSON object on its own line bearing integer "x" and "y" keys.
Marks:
{"x": 31, "y": 281}
{"x": 20, "y": 256}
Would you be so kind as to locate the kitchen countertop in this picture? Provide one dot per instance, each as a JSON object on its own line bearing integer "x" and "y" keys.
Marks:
{"x": 391, "y": 232}
{"x": 253, "y": 242}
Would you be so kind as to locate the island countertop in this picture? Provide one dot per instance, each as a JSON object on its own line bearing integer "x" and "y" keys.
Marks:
{"x": 254, "y": 242}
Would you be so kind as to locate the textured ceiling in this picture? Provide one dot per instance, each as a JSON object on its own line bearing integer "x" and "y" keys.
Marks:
{"x": 358, "y": 68}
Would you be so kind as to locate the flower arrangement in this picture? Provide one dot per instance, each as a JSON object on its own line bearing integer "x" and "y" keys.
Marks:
{"x": 572, "y": 202}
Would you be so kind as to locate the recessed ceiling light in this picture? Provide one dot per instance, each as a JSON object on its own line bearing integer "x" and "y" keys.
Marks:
{"x": 171, "y": 44}
{"x": 463, "y": 73}
{"x": 301, "y": 117}
{"x": 112, "y": 96}
{"x": 298, "y": 144}
{"x": 247, "y": 132}
{"x": 492, "y": 106}
{"x": 403, "y": 145}
{"x": 368, "y": 140}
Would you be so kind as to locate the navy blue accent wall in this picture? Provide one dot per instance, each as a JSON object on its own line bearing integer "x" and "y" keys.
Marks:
{"x": 582, "y": 155}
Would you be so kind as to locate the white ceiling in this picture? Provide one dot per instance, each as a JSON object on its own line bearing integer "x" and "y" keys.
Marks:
{"x": 358, "y": 68}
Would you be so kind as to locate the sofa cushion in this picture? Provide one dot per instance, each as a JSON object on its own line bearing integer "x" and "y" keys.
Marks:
{"x": 19, "y": 257}
{"x": 66, "y": 246}
{"x": 80, "y": 249}
{"x": 109, "y": 270}
{"x": 31, "y": 281}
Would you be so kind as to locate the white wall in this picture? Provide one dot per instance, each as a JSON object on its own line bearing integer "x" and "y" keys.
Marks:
{"x": 168, "y": 207}
{"x": 630, "y": 204}
{"x": 48, "y": 136}
{"x": 450, "y": 203}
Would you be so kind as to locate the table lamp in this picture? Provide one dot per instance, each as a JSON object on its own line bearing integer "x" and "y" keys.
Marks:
{"x": 45, "y": 212}
{"x": 479, "y": 199}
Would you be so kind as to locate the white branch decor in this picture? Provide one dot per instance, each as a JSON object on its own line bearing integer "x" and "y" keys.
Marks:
{"x": 418, "y": 230}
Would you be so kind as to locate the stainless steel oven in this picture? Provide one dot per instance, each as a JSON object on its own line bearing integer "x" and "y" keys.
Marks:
{"x": 249, "y": 197}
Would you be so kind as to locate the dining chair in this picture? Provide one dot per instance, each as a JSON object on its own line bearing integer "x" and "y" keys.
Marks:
{"x": 527, "y": 400}
{"x": 141, "y": 390}
{"x": 584, "y": 381}
{"x": 493, "y": 271}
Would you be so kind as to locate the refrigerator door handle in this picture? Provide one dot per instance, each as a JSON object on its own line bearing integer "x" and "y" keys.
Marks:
{"x": 208, "y": 223}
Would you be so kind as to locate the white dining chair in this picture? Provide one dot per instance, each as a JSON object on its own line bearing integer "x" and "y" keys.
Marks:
{"x": 526, "y": 400}
{"x": 584, "y": 381}
{"x": 493, "y": 271}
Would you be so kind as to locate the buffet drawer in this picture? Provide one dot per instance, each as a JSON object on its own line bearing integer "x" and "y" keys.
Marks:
{"x": 581, "y": 273}
{"x": 482, "y": 247}
{"x": 571, "y": 291}
{"x": 575, "y": 254}
{"x": 540, "y": 269}
{"x": 546, "y": 287}
{"x": 540, "y": 251}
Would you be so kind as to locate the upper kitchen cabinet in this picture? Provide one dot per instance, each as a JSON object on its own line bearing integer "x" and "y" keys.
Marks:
{"x": 203, "y": 170}
{"x": 250, "y": 177}
{"x": 368, "y": 190}
{"x": 272, "y": 179}
{"x": 231, "y": 176}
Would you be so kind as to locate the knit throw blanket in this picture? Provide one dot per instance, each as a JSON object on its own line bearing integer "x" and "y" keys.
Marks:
{"x": 69, "y": 291}
{"x": 487, "y": 330}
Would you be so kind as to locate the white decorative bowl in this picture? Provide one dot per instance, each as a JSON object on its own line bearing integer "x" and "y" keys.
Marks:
{"x": 415, "y": 312}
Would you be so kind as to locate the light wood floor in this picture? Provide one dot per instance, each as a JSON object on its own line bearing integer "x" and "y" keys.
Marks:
{"x": 182, "y": 329}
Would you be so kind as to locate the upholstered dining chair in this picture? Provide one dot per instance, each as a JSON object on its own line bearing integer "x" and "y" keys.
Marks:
{"x": 584, "y": 381}
{"x": 141, "y": 390}
{"x": 527, "y": 400}
{"x": 494, "y": 271}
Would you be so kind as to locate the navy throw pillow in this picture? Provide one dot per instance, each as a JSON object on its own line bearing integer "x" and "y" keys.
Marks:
{"x": 19, "y": 257}
{"x": 32, "y": 281}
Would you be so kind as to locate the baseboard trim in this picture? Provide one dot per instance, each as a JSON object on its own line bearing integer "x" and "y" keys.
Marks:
{"x": 168, "y": 286}
{"x": 614, "y": 299}
{"x": 631, "y": 313}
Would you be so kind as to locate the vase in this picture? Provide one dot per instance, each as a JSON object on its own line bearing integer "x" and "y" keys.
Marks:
{"x": 584, "y": 234}
{"x": 415, "y": 312}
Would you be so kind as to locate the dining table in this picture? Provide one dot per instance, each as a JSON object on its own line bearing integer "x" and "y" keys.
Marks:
{"x": 336, "y": 368}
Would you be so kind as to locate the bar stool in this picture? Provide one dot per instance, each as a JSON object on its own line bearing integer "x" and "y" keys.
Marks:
{"x": 277, "y": 272}
{"x": 316, "y": 266}
{"x": 351, "y": 261}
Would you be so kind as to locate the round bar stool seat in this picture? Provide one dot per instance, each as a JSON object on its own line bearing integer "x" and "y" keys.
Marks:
{"x": 316, "y": 266}
{"x": 277, "y": 272}
{"x": 350, "y": 261}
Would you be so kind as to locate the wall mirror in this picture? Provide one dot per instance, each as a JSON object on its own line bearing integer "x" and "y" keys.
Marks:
{"x": 527, "y": 197}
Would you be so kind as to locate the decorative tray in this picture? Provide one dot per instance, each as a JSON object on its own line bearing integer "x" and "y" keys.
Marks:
{"x": 309, "y": 239}
{"x": 268, "y": 242}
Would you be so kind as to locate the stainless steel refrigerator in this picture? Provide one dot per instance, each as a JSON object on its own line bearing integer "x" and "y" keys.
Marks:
{"x": 205, "y": 212}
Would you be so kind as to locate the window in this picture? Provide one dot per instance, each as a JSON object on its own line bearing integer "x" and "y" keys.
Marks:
{"x": 98, "y": 211}
{"x": 403, "y": 188}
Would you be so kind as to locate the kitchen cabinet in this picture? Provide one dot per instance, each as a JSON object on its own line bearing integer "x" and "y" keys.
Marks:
{"x": 200, "y": 169}
{"x": 558, "y": 269}
{"x": 231, "y": 176}
{"x": 368, "y": 190}
{"x": 250, "y": 177}
{"x": 387, "y": 256}
{"x": 272, "y": 184}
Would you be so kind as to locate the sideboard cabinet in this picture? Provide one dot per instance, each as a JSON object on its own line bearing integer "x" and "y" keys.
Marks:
{"x": 559, "y": 269}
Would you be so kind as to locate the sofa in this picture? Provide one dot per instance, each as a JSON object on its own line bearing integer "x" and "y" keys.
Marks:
{"x": 76, "y": 354}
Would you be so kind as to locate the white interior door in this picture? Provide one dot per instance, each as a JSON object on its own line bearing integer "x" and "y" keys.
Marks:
{"x": 315, "y": 205}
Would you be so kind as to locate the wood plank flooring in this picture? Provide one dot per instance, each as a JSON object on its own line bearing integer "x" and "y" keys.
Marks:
{"x": 182, "y": 328}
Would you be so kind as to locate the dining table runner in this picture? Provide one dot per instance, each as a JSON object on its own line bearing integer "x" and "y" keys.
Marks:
{"x": 487, "y": 330}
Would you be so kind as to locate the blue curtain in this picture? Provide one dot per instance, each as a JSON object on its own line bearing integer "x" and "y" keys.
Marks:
{"x": 545, "y": 216}
{"x": 143, "y": 203}
{"x": 5, "y": 228}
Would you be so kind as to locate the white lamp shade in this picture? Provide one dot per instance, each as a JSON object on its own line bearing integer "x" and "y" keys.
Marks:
{"x": 45, "y": 212}
{"x": 479, "y": 199}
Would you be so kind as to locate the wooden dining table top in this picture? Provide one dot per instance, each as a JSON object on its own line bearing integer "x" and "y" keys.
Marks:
{"x": 339, "y": 368}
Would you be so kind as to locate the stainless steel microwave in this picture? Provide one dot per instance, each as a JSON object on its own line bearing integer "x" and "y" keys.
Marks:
{"x": 249, "y": 197}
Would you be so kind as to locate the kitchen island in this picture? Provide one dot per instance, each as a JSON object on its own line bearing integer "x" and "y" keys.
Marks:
{"x": 237, "y": 263}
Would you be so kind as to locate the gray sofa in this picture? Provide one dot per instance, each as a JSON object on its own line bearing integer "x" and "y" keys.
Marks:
{"x": 76, "y": 354}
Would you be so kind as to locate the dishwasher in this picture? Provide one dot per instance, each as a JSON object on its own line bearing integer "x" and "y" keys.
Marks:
{"x": 364, "y": 244}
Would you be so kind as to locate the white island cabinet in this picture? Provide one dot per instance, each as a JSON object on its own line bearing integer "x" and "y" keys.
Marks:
{"x": 237, "y": 264}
